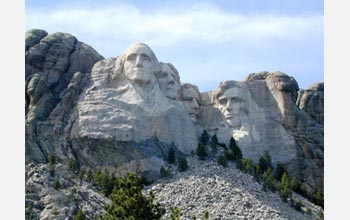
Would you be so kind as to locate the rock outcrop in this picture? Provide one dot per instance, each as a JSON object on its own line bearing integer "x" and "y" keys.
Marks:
{"x": 125, "y": 113}
{"x": 311, "y": 100}
{"x": 56, "y": 69}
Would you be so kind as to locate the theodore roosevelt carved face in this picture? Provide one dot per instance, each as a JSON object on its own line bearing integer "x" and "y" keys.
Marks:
{"x": 190, "y": 99}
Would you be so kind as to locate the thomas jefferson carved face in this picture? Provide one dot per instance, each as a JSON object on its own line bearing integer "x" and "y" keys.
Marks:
{"x": 169, "y": 82}
{"x": 232, "y": 106}
{"x": 139, "y": 65}
{"x": 190, "y": 99}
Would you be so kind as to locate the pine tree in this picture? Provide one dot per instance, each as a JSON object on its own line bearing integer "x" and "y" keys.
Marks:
{"x": 284, "y": 187}
{"x": 128, "y": 201}
{"x": 175, "y": 213}
{"x": 80, "y": 215}
{"x": 280, "y": 169}
{"x": 163, "y": 172}
{"x": 214, "y": 139}
{"x": 56, "y": 185}
{"x": 202, "y": 151}
{"x": 222, "y": 160}
{"x": 269, "y": 180}
{"x": 265, "y": 162}
{"x": 204, "y": 139}
{"x": 234, "y": 152}
{"x": 171, "y": 155}
{"x": 182, "y": 164}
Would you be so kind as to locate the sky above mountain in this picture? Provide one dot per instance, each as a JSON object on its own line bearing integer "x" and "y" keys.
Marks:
{"x": 207, "y": 41}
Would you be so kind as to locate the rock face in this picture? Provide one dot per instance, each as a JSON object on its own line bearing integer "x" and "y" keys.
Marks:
{"x": 48, "y": 202}
{"x": 311, "y": 100}
{"x": 125, "y": 113}
{"x": 56, "y": 69}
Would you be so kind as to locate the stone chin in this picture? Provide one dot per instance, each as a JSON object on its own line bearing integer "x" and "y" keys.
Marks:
{"x": 171, "y": 93}
{"x": 140, "y": 77}
{"x": 234, "y": 122}
{"x": 193, "y": 118}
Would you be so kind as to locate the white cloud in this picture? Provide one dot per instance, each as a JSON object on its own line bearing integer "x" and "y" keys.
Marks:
{"x": 165, "y": 27}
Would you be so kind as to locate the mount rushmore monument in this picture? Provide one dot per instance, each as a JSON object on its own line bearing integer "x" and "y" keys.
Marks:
{"x": 125, "y": 113}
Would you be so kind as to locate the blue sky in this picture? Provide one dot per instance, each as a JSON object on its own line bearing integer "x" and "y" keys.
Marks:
{"x": 207, "y": 41}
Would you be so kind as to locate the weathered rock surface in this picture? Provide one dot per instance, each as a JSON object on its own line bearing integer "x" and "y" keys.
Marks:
{"x": 125, "y": 113}
{"x": 311, "y": 100}
{"x": 57, "y": 67}
{"x": 226, "y": 193}
{"x": 44, "y": 202}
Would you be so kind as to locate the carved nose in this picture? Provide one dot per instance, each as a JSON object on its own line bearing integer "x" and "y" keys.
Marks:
{"x": 138, "y": 62}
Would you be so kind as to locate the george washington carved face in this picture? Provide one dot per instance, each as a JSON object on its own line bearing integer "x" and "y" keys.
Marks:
{"x": 139, "y": 65}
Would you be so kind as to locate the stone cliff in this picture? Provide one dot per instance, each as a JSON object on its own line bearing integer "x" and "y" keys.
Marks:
{"x": 125, "y": 113}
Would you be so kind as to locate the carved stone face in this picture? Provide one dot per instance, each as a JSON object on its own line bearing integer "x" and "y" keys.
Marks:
{"x": 168, "y": 82}
{"x": 232, "y": 106}
{"x": 139, "y": 66}
{"x": 190, "y": 99}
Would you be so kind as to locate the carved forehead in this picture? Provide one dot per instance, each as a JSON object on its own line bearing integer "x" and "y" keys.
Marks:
{"x": 141, "y": 48}
{"x": 189, "y": 92}
{"x": 232, "y": 92}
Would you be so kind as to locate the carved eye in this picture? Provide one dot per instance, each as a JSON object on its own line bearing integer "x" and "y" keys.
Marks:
{"x": 222, "y": 101}
{"x": 145, "y": 57}
{"x": 131, "y": 57}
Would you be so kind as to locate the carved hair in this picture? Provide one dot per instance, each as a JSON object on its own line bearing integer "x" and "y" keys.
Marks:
{"x": 223, "y": 86}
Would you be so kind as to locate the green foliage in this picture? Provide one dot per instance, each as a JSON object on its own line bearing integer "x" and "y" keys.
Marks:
{"x": 56, "y": 185}
{"x": 182, "y": 164}
{"x": 269, "y": 181}
{"x": 204, "y": 139}
{"x": 265, "y": 162}
{"x": 175, "y": 213}
{"x": 73, "y": 166}
{"x": 320, "y": 216}
{"x": 214, "y": 139}
{"x": 294, "y": 184}
{"x": 214, "y": 148}
{"x": 171, "y": 155}
{"x": 206, "y": 215}
{"x": 29, "y": 212}
{"x": 81, "y": 176}
{"x": 52, "y": 160}
{"x": 284, "y": 187}
{"x": 52, "y": 171}
{"x": 222, "y": 160}
{"x": 202, "y": 152}
{"x": 297, "y": 205}
{"x": 248, "y": 165}
{"x": 257, "y": 173}
{"x": 280, "y": 169}
{"x": 319, "y": 198}
{"x": 128, "y": 201}
{"x": 89, "y": 176}
{"x": 55, "y": 211}
{"x": 163, "y": 172}
{"x": 234, "y": 152}
{"x": 239, "y": 164}
{"x": 107, "y": 183}
{"x": 80, "y": 215}
{"x": 194, "y": 217}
